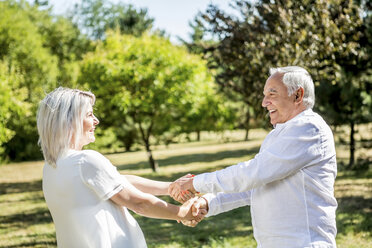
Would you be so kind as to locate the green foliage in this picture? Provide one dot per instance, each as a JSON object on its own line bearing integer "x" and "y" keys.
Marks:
{"x": 22, "y": 44}
{"x": 12, "y": 103}
{"x": 97, "y": 16}
{"x": 42, "y": 51}
{"x": 149, "y": 90}
{"x": 23, "y": 50}
{"x": 106, "y": 141}
{"x": 329, "y": 38}
{"x": 66, "y": 42}
{"x": 151, "y": 83}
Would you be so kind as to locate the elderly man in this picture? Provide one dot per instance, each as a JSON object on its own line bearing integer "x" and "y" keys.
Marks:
{"x": 289, "y": 183}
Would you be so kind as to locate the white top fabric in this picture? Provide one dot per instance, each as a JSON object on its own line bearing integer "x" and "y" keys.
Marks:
{"x": 77, "y": 193}
{"x": 289, "y": 185}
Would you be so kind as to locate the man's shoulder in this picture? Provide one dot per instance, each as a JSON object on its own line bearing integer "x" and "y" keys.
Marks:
{"x": 311, "y": 118}
{"x": 309, "y": 122}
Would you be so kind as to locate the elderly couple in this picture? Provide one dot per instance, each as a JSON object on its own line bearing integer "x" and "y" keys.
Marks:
{"x": 288, "y": 184}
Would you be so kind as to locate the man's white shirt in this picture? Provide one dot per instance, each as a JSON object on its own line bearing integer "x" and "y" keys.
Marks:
{"x": 289, "y": 185}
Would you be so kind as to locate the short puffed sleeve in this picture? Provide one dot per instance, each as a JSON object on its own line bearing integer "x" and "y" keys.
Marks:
{"x": 100, "y": 175}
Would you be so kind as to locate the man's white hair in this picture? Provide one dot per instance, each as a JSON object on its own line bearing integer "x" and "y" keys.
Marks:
{"x": 60, "y": 121}
{"x": 295, "y": 77}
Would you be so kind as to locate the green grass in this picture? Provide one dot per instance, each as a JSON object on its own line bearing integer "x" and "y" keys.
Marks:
{"x": 26, "y": 222}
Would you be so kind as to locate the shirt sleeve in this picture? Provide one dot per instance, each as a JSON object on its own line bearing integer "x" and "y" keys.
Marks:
{"x": 223, "y": 202}
{"x": 100, "y": 175}
{"x": 292, "y": 149}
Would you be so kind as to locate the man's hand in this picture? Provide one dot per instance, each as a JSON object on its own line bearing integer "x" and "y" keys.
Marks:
{"x": 200, "y": 209}
{"x": 182, "y": 189}
{"x": 188, "y": 213}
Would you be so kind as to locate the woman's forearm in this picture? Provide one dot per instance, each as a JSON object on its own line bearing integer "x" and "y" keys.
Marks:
{"x": 156, "y": 208}
{"x": 150, "y": 206}
{"x": 149, "y": 186}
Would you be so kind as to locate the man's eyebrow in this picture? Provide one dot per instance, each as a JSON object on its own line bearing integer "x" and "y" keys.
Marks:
{"x": 271, "y": 90}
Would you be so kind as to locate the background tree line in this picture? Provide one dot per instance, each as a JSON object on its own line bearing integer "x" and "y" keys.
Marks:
{"x": 149, "y": 90}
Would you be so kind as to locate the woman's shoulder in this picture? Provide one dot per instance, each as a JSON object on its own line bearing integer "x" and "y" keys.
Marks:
{"x": 91, "y": 153}
{"x": 83, "y": 156}
{"x": 92, "y": 157}
{"x": 94, "y": 163}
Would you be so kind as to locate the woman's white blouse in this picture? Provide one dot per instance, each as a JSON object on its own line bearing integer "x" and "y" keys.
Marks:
{"x": 289, "y": 185}
{"x": 77, "y": 193}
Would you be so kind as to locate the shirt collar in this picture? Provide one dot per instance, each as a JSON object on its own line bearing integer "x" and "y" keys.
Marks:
{"x": 305, "y": 112}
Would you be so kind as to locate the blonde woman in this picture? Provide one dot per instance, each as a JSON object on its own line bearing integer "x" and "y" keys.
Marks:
{"x": 87, "y": 197}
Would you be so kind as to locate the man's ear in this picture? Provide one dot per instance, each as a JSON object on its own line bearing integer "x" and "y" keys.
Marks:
{"x": 299, "y": 95}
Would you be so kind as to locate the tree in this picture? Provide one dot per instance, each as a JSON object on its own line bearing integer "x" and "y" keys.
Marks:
{"x": 63, "y": 39}
{"x": 97, "y": 16}
{"x": 212, "y": 111}
{"x": 322, "y": 36}
{"x": 21, "y": 42}
{"x": 22, "y": 50}
{"x": 12, "y": 105}
{"x": 241, "y": 68}
{"x": 147, "y": 80}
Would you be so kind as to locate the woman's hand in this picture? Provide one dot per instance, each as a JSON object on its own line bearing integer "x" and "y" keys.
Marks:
{"x": 182, "y": 189}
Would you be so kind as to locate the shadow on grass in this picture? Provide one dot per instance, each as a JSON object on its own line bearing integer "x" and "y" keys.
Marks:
{"x": 192, "y": 158}
{"x": 27, "y": 218}
{"x": 235, "y": 223}
{"x": 10, "y": 188}
{"x": 38, "y": 241}
{"x": 354, "y": 214}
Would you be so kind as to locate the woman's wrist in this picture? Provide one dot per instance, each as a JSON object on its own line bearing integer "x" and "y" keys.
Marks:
{"x": 206, "y": 203}
{"x": 180, "y": 215}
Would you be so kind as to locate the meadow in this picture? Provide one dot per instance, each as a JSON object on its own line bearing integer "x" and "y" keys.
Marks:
{"x": 26, "y": 222}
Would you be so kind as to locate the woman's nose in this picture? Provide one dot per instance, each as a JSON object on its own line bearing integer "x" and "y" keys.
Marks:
{"x": 96, "y": 121}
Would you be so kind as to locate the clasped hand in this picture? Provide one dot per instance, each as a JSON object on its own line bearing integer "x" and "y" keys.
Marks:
{"x": 199, "y": 208}
{"x": 182, "y": 190}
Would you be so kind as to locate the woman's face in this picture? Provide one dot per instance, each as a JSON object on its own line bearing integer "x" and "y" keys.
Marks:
{"x": 89, "y": 125}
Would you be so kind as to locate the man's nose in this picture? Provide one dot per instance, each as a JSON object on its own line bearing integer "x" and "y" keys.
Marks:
{"x": 264, "y": 102}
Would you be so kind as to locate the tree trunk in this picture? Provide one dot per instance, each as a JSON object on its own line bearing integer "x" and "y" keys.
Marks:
{"x": 198, "y": 135}
{"x": 146, "y": 140}
{"x": 153, "y": 163}
{"x": 352, "y": 145}
{"x": 246, "y": 124}
{"x": 246, "y": 133}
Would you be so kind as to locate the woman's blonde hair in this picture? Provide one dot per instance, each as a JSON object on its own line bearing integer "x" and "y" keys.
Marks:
{"x": 60, "y": 121}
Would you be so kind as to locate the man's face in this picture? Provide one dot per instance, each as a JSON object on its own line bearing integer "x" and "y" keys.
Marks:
{"x": 281, "y": 107}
